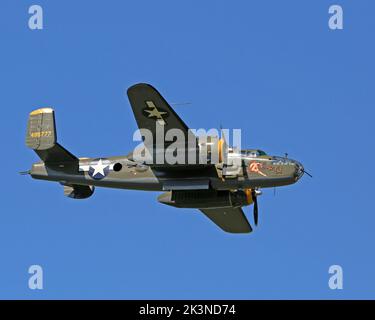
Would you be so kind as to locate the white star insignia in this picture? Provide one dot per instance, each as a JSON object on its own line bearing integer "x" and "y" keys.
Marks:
{"x": 99, "y": 168}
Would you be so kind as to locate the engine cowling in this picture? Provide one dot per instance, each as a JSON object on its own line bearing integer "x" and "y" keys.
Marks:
{"x": 204, "y": 199}
{"x": 213, "y": 149}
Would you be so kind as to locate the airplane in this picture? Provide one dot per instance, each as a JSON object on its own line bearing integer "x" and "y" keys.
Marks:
{"x": 220, "y": 186}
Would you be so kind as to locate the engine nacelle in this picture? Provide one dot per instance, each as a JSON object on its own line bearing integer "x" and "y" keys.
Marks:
{"x": 76, "y": 191}
{"x": 205, "y": 199}
{"x": 211, "y": 149}
{"x": 205, "y": 149}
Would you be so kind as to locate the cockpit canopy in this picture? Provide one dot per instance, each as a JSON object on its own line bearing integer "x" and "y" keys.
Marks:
{"x": 253, "y": 153}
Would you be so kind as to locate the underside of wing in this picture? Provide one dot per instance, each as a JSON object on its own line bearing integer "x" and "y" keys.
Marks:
{"x": 232, "y": 220}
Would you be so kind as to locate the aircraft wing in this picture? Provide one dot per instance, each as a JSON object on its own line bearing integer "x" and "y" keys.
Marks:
{"x": 232, "y": 220}
{"x": 151, "y": 109}
{"x": 153, "y": 113}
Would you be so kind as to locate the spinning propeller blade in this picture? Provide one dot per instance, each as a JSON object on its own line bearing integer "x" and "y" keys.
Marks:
{"x": 255, "y": 200}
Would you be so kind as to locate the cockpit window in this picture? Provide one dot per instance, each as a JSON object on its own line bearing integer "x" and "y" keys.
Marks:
{"x": 253, "y": 153}
{"x": 262, "y": 153}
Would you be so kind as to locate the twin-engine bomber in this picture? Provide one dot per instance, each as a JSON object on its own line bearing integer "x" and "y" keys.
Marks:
{"x": 227, "y": 180}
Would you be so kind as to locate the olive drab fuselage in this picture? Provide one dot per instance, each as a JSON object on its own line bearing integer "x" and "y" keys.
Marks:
{"x": 120, "y": 172}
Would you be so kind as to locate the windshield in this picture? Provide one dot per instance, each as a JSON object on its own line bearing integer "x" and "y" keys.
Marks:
{"x": 253, "y": 153}
{"x": 262, "y": 153}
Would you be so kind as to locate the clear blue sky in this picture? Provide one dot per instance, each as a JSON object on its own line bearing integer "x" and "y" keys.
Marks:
{"x": 272, "y": 68}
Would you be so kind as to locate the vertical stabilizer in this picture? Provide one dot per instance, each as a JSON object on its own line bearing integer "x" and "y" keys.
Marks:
{"x": 41, "y": 137}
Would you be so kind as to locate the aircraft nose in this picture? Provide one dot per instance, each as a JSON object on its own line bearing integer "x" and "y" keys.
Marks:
{"x": 299, "y": 170}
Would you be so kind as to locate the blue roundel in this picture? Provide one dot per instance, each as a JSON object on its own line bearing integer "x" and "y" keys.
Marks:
{"x": 99, "y": 168}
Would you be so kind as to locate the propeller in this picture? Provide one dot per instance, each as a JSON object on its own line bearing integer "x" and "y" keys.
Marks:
{"x": 304, "y": 171}
{"x": 255, "y": 200}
